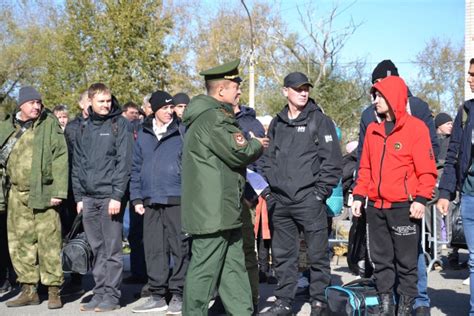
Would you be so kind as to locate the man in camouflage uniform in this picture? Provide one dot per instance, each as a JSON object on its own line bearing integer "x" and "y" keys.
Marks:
{"x": 37, "y": 171}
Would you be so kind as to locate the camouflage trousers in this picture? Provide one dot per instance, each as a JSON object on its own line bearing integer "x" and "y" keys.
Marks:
{"x": 34, "y": 241}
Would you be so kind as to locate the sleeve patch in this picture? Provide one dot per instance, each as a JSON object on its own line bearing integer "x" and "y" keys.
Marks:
{"x": 239, "y": 139}
{"x": 328, "y": 138}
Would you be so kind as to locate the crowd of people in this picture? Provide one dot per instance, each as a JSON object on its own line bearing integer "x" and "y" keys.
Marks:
{"x": 215, "y": 196}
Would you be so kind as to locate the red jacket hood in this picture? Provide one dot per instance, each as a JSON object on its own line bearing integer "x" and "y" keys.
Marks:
{"x": 395, "y": 91}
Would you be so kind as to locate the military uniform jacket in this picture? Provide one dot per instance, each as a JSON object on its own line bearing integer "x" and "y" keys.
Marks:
{"x": 49, "y": 168}
{"x": 215, "y": 156}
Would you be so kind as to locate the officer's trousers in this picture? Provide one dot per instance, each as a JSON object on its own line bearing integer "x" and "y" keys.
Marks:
{"x": 308, "y": 216}
{"x": 217, "y": 261}
{"x": 34, "y": 241}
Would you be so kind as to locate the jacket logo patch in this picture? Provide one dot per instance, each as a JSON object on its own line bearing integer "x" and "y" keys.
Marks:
{"x": 104, "y": 134}
{"x": 397, "y": 146}
{"x": 300, "y": 129}
{"x": 240, "y": 139}
{"x": 328, "y": 138}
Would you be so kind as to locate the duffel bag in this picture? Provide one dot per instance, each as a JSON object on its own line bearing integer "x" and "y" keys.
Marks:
{"x": 458, "y": 239}
{"x": 355, "y": 298}
{"x": 76, "y": 255}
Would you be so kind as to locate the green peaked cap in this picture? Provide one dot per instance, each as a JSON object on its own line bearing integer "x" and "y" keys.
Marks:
{"x": 228, "y": 71}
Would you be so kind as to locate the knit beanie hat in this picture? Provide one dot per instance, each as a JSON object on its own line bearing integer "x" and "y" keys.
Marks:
{"x": 27, "y": 94}
{"x": 384, "y": 69}
{"x": 442, "y": 118}
{"x": 181, "y": 98}
{"x": 159, "y": 99}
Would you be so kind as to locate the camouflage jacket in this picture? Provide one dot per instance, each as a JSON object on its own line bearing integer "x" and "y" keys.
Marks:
{"x": 49, "y": 169}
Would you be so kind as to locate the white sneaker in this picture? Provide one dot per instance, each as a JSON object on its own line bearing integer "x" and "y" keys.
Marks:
{"x": 466, "y": 282}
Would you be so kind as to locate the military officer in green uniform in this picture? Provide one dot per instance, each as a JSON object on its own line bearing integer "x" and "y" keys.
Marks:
{"x": 215, "y": 157}
{"x": 34, "y": 153}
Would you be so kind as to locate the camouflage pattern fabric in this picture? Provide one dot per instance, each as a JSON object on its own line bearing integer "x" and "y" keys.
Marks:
{"x": 3, "y": 190}
{"x": 34, "y": 241}
{"x": 19, "y": 163}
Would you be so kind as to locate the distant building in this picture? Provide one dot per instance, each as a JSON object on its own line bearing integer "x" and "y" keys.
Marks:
{"x": 469, "y": 44}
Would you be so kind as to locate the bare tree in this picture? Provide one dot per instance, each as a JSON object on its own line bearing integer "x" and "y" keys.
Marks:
{"x": 441, "y": 75}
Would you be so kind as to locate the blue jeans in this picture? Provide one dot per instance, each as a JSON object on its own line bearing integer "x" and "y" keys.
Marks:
{"x": 467, "y": 213}
{"x": 422, "y": 298}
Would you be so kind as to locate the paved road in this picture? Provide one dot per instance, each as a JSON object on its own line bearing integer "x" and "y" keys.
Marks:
{"x": 448, "y": 295}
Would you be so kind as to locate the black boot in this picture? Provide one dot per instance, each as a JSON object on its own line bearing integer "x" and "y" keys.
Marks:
{"x": 279, "y": 308}
{"x": 422, "y": 311}
{"x": 387, "y": 306}
{"x": 405, "y": 305}
{"x": 319, "y": 308}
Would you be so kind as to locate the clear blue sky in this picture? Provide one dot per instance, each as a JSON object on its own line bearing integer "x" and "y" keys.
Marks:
{"x": 390, "y": 29}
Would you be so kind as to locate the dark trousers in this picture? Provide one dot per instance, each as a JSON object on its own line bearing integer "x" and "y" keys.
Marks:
{"x": 264, "y": 254}
{"x": 67, "y": 214}
{"x": 104, "y": 234}
{"x": 393, "y": 239}
{"x": 162, "y": 231}
{"x": 135, "y": 238}
{"x": 309, "y": 217}
{"x": 6, "y": 268}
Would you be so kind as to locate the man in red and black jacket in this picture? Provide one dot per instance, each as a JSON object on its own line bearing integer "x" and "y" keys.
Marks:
{"x": 397, "y": 174}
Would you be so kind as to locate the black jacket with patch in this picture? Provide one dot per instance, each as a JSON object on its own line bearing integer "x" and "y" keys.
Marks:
{"x": 304, "y": 156}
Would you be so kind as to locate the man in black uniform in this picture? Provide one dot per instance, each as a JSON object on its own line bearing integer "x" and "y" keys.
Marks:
{"x": 302, "y": 165}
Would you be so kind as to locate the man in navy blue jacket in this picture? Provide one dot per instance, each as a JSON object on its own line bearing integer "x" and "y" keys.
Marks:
{"x": 458, "y": 174}
{"x": 155, "y": 192}
{"x": 420, "y": 109}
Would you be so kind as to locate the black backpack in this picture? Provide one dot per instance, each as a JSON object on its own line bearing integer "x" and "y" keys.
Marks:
{"x": 76, "y": 255}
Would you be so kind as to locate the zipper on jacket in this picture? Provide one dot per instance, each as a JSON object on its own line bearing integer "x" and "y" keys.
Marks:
{"x": 409, "y": 197}
{"x": 405, "y": 184}
{"x": 381, "y": 164}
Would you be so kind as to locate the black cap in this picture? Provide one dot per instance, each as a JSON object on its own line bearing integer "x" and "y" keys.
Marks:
{"x": 27, "y": 94}
{"x": 181, "y": 98}
{"x": 227, "y": 71}
{"x": 296, "y": 80}
{"x": 384, "y": 69}
{"x": 159, "y": 99}
{"x": 442, "y": 118}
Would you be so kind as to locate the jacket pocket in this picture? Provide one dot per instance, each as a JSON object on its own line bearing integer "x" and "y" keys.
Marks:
{"x": 405, "y": 184}
{"x": 46, "y": 175}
